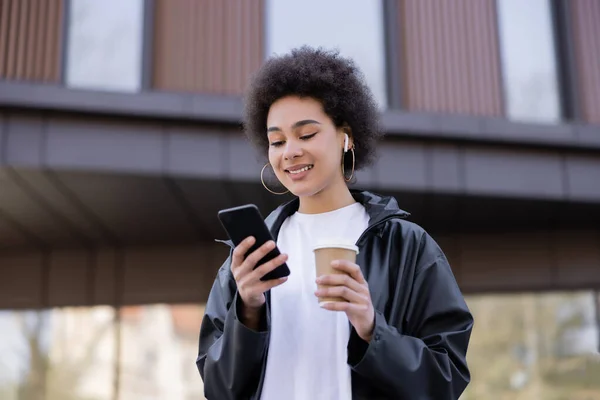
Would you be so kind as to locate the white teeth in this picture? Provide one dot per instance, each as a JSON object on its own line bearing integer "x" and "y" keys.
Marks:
{"x": 300, "y": 170}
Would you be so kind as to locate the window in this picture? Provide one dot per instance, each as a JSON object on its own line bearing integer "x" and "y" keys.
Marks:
{"x": 528, "y": 56}
{"x": 534, "y": 346}
{"x": 59, "y": 353}
{"x": 104, "y": 45}
{"x": 75, "y": 353}
{"x": 354, "y": 27}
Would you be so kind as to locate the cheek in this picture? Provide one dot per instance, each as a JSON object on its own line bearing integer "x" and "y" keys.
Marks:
{"x": 275, "y": 160}
{"x": 330, "y": 159}
{"x": 272, "y": 154}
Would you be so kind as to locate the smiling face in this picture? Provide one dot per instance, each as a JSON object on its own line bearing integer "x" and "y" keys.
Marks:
{"x": 305, "y": 147}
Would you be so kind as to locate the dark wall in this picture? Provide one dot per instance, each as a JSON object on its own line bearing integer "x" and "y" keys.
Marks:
{"x": 501, "y": 262}
{"x": 175, "y": 274}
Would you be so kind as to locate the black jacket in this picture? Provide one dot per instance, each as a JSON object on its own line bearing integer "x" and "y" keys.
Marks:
{"x": 422, "y": 323}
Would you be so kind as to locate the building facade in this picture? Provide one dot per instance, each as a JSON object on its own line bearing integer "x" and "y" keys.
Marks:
{"x": 120, "y": 139}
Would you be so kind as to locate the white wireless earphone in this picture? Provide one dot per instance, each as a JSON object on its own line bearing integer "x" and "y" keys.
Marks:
{"x": 346, "y": 143}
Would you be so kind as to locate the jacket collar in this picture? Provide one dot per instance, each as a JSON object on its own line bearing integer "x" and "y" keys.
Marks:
{"x": 377, "y": 207}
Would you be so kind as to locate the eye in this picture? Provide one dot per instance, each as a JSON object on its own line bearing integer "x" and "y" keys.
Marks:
{"x": 277, "y": 144}
{"x": 307, "y": 137}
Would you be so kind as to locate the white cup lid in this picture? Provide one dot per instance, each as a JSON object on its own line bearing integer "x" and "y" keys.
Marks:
{"x": 335, "y": 243}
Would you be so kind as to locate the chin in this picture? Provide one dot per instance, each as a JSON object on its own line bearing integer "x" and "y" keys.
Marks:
{"x": 303, "y": 189}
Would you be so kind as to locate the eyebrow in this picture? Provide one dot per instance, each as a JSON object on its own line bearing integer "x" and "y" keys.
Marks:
{"x": 296, "y": 125}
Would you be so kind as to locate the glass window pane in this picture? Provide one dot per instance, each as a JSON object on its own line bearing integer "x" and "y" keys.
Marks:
{"x": 65, "y": 353}
{"x": 159, "y": 342}
{"x": 354, "y": 27}
{"x": 105, "y": 45}
{"x": 528, "y": 56}
{"x": 533, "y": 346}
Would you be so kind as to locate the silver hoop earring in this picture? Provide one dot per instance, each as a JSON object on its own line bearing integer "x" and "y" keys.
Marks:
{"x": 353, "y": 163}
{"x": 263, "y": 181}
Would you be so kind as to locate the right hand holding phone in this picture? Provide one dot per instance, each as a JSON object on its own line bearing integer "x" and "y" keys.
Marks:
{"x": 247, "y": 277}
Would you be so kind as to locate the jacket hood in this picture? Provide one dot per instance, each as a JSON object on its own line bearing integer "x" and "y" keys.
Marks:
{"x": 377, "y": 207}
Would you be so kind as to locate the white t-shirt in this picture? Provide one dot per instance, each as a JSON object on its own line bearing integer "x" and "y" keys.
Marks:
{"x": 307, "y": 356}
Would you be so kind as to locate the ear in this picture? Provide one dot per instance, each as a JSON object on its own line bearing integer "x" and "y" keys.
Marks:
{"x": 348, "y": 141}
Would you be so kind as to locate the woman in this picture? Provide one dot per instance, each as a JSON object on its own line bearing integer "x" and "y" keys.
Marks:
{"x": 404, "y": 329}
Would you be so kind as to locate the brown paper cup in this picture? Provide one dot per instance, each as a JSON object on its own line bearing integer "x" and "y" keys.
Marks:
{"x": 325, "y": 253}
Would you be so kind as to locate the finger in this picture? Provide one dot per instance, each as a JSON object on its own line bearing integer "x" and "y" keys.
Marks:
{"x": 240, "y": 251}
{"x": 254, "y": 257}
{"x": 351, "y": 308}
{"x": 342, "y": 280}
{"x": 263, "y": 286}
{"x": 343, "y": 292}
{"x": 350, "y": 268}
{"x": 268, "y": 267}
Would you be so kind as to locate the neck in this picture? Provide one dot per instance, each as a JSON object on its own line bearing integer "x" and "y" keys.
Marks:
{"x": 332, "y": 198}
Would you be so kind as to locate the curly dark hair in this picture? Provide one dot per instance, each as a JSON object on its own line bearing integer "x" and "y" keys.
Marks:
{"x": 321, "y": 74}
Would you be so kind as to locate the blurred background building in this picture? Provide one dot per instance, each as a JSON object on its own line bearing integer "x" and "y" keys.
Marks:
{"x": 120, "y": 140}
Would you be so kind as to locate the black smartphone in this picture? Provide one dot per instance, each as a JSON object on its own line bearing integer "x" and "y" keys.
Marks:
{"x": 243, "y": 221}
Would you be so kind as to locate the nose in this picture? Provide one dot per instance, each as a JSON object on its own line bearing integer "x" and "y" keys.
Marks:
{"x": 292, "y": 150}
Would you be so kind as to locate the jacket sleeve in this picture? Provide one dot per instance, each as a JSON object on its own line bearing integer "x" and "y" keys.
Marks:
{"x": 428, "y": 361}
{"x": 230, "y": 354}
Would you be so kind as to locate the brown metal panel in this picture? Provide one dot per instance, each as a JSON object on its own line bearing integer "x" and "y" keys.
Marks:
{"x": 593, "y": 101}
{"x": 493, "y": 81}
{"x": 452, "y": 48}
{"x": 30, "y": 39}
{"x": 478, "y": 57}
{"x": 443, "y": 43}
{"x": 408, "y": 63}
{"x": 238, "y": 81}
{"x": 21, "y": 40}
{"x": 450, "y": 56}
{"x": 48, "y": 48}
{"x": 58, "y": 42}
{"x": 42, "y": 11}
{"x": 222, "y": 69}
{"x": 257, "y": 44}
{"x": 250, "y": 25}
{"x": 209, "y": 46}
{"x": 233, "y": 37}
{"x": 32, "y": 28}
{"x": 12, "y": 40}
{"x": 159, "y": 38}
{"x": 178, "y": 23}
{"x": 197, "y": 48}
{"x": 215, "y": 44}
{"x": 229, "y": 40}
{"x": 586, "y": 14}
{"x": 479, "y": 54}
{"x": 209, "y": 40}
{"x": 4, "y": 29}
{"x": 470, "y": 59}
{"x": 186, "y": 43}
{"x": 426, "y": 44}
{"x": 243, "y": 49}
